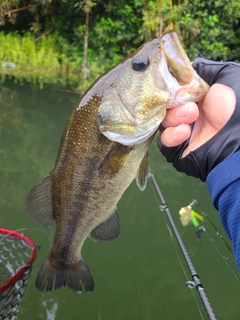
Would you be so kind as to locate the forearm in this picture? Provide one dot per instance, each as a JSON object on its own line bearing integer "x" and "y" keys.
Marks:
{"x": 223, "y": 183}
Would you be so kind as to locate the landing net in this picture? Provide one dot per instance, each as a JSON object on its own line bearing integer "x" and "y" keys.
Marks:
{"x": 17, "y": 253}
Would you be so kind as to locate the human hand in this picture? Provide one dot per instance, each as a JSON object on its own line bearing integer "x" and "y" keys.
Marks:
{"x": 197, "y": 149}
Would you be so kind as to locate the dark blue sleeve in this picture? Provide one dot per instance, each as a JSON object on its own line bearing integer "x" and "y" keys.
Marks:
{"x": 223, "y": 183}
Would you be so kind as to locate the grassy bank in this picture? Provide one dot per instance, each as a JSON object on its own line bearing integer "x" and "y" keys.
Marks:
{"x": 48, "y": 61}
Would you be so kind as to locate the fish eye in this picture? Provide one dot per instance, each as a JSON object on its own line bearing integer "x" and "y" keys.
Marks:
{"x": 140, "y": 63}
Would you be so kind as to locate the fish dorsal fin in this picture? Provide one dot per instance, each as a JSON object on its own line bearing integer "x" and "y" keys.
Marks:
{"x": 114, "y": 160}
{"x": 108, "y": 229}
{"x": 143, "y": 172}
{"x": 39, "y": 202}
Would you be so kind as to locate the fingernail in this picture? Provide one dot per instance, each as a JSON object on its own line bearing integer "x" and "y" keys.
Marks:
{"x": 178, "y": 130}
{"x": 183, "y": 111}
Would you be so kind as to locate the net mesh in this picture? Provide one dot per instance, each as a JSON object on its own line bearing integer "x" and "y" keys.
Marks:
{"x": 17, "y": 253}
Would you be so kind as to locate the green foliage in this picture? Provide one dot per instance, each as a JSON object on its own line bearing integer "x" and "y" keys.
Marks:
{"x": 111, "y": 30}
{"x": 24, "y": 51}
{"x": 118, "y": 29}
{"x": 5, "y": 7}
{"x": 210, "y": 28}
{"x": 156, "y": 17}
{"x": 44, "y": 61}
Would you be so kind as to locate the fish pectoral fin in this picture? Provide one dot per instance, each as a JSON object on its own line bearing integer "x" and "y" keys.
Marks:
{"x": 39, "y": 202}
{"x": 114, "y": 160}
{"x": 142, "y": 174}
{"x": 109, "y": 229}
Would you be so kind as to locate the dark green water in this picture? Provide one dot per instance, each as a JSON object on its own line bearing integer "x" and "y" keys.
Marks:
{"x": 142, "y": 275}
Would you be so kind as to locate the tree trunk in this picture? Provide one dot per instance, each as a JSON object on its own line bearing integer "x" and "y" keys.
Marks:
{"x": 85, "y": 47}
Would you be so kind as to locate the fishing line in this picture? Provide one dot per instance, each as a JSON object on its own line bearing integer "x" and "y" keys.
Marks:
{"x": 217, "y": 247}
{"x": 47, "y": 235}
{"x": 215, "y": 244}
{"x": 35, "y": 229}
{"x": 172, "y": 239}
{"x": 177, "y": 254}
{"x": 214, "y": 227}
{"x": 196, "y": 279}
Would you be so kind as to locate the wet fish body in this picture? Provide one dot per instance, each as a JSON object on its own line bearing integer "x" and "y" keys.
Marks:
{"x": 103, "y": 149}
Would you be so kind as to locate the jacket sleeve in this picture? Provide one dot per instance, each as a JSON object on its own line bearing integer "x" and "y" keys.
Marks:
{"x": 223, "y": 182}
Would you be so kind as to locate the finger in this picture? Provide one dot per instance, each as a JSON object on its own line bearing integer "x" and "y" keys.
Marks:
{"x": 219, "y": 105}
{"x": 173, "y": 136}
{"x": 186, "y": 113}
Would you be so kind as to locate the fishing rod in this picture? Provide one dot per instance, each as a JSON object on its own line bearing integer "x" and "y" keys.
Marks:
{"x": 195, "y": 276}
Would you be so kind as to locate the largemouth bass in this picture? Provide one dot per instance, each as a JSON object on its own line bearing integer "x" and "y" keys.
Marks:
{"x": 103, "y": 148}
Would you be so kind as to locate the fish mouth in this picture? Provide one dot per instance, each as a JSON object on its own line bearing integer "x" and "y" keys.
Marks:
{"x": 182, "y": 81}
{"x": 178, "y": 63}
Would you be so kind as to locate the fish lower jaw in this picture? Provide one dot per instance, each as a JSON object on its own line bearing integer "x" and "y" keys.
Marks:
{"x": 130, "y": 140}
{"x": 181, "y": 99}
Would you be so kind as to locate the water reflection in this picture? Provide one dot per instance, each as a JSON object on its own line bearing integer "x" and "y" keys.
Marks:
{"x": 141, "y": 275}
{"x": 51, "y": 308}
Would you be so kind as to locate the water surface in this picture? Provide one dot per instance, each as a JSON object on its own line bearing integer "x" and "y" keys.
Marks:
{"x": 142, "y": 275}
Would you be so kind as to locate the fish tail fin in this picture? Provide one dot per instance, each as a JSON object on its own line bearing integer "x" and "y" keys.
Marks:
{"x": 73, "y": 275}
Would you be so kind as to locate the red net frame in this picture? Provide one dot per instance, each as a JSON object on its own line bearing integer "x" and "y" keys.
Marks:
{"x": 17, "y": 254}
